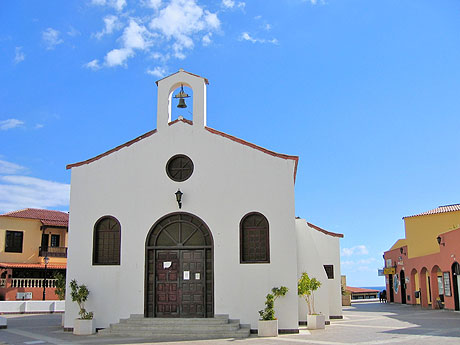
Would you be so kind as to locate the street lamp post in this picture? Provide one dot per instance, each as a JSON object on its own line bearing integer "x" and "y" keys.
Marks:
{"x": 46, "y": 260}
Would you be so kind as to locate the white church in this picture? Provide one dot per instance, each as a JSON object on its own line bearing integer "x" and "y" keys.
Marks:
{"x": 188, "y": 222}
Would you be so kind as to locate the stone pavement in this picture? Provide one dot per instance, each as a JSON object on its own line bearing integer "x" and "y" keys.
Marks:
{"x": 364, "y": 324}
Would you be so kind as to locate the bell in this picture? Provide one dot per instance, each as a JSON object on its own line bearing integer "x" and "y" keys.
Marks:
{"x": 181, "y": 95}
{"x": 182, "y": 103}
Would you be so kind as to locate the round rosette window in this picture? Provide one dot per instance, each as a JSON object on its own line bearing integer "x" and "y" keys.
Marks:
{"x": 179, "y": 168}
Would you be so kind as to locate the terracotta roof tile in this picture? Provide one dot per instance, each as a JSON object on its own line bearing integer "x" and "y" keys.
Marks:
{"x": 47, "y": 217}
{"x": 21, "y": 265}
{"x": 334, "y": 234}
{"x": 440, "y": 209}
{"x": 356, "y": 289}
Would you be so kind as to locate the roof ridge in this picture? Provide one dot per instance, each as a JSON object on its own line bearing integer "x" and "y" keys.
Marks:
{"x": 330, "y": 233}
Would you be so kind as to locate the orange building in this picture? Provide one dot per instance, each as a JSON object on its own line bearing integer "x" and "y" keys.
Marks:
{"x": 33, "y": 248}
{"x": 423, "y": 268}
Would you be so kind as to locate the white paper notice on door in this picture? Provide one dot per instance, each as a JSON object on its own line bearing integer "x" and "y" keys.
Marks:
{"x": 186, "y": 275}
{"x": 167, "y": 264}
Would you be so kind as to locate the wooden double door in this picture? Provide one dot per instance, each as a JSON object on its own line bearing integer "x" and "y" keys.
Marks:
{"x": 180, "y": 283}
{"x": 179, "y": 268}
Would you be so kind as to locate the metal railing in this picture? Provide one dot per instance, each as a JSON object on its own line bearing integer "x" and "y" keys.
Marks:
{"x": 56, "y": 252}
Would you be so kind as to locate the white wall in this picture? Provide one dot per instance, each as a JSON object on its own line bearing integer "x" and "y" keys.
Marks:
{"x": 32, "y": 306}
{"x": 315, "y": 249}
{"x": 229, "y": 181}
{"x": 329, "y": 251}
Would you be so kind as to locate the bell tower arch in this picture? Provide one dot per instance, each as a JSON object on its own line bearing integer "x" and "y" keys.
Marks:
{"x": 167, "y": 85}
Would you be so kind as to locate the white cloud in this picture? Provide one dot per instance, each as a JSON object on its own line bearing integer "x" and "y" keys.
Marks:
{"x": 182, "y": 19}
{"x": 73, "y": 32}
{"x": 134, "y": 37}
{"x": 118, "y": 57}
{"x": 51, "y": 38}
{"x": 207, "y": 39}
{"x": 158, "y": 72}
{"x": 10, "y": 123}
{"x": 111, "y": 23}
{"x": 93, "y": 64}
{"x": 19, "y": 55}
{"x": 173, "y": 27}
{"x": 39, "y": 125}
{"x": 116, "y": 4}
{"x": 155, "y": 4}
{"x": 245, "y": 36}
{"x": 18, "y": 192}
{"x": 233, "y": 4}
{"x": 267, "y": 27}
{"x": 356, "y": 250}
{"x": 9, "y": 168}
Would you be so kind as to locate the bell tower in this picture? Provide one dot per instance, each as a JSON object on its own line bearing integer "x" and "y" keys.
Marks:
{"x": 167, "y": 85}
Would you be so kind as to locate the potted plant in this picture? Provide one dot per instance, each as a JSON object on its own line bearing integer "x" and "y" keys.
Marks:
{"x": 306, "y": 287}
{"x": 268, "y": 324}
{"x": 60, "y": 291}
{"x": 84, "y": 324}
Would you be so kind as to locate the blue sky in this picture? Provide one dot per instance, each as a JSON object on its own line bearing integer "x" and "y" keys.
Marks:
{"x": 365, "y": 92}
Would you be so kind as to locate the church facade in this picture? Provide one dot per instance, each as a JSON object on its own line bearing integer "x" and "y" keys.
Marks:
{"x": 187, "y": 221}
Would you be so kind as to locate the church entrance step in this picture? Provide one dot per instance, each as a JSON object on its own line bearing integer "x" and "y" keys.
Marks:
{"x": 217, "y": 327}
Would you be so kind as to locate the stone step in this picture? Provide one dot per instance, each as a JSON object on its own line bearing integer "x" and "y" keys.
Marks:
{"x": 162, "y": 335}
{"x": 175, "y": 321}
{"x": 217, "y": 327}
{"x": 178, "y": 329}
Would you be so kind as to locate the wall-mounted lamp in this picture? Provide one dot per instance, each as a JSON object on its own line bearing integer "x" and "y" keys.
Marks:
{"x": 179, "y": 198}
{"x": 439, "y": 239}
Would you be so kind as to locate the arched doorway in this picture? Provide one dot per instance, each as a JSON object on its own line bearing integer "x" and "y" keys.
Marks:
{"x": 179, "y": 268}
{"x": 402, "y": 277}
{"x": 456, "y": 284}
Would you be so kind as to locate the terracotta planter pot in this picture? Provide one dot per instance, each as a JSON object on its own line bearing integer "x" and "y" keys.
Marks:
{"x": 267, "y": 328}
{"x": 316, "y": 321}
{"x": 83, "y": 327}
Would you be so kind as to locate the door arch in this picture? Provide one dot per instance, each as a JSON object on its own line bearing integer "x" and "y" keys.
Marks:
{"x": 179, "y": 268}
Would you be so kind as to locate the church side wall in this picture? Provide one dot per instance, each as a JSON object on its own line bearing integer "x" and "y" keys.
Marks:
{"x": 229, "y": 181}
{"x": 310, "y": 261}
{"x": 330, "y": 255}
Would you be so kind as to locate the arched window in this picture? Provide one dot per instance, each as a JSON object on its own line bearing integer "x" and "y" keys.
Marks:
{"x": 106, "y": 242}
{"x": 254, "y": 241}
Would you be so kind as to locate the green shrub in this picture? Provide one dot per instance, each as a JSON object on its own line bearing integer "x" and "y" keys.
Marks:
{"x": 269, "y": 312}
{"x": 79, "y": 294}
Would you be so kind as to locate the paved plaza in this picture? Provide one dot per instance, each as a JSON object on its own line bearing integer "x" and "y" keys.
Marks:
{"x": 363, "y": 323}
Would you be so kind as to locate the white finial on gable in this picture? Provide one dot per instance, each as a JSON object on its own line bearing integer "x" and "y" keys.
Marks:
{"x": 167, "y": 85}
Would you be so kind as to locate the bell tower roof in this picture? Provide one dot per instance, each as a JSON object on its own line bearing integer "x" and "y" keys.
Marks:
{"x": 181, "y": 70}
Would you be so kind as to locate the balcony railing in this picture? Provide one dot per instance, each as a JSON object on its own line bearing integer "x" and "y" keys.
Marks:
{"x": 55, "y": 252}
{"x": 32, "y": 283}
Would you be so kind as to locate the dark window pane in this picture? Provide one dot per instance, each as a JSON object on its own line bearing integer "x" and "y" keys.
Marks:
{"x": 329, "y": 271}
{"x": 55, "y": 240}
{"x": 13, "y": 241}
{"x": 107, "y": 234}
{"x": 254, "y": 241}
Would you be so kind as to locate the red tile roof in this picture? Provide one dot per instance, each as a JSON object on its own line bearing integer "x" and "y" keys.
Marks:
{"x": 440, "y": 209}
{"x": 211, "y": 130}
{"x": 47, "y": 217}
{"x": 334, "y": 234}
{"x": 21, "y": 265}
{"x": 360, "y": 290}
